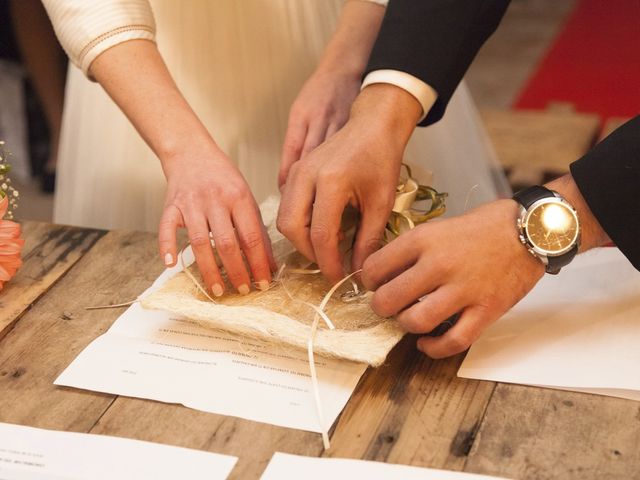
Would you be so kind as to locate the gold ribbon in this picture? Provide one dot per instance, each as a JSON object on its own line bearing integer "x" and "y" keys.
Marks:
{"x": 405, "y": 215}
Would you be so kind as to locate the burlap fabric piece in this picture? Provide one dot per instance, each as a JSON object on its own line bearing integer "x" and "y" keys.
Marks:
{"x": 282, "y": 315}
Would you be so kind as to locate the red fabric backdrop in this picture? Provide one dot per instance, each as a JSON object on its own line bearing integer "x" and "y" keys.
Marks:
{"x": 593, "y": 63}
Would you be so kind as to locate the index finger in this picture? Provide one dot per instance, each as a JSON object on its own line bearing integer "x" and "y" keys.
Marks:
{"x": 315, "y": 136}
{"x": 292, "y": 149}
{"x": 370, "y": 233}
{"x": 390, "y": 261}
{"x": 325, "y": 230}
{"x": 294, "y": 212}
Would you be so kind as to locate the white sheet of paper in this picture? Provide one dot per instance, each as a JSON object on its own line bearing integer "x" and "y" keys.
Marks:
{"x": 293, "y": 467}
{"x": 149, "y": 354}
{"x": 579, "y": 331}
{"x": 33, "y": 453}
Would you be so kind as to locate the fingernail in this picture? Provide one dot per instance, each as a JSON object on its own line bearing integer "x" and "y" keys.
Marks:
{"x": 243, "y": 289}
{"x": 216, "y": 288}
{"x": 168, "y": 259}
{"x": 263, "y": 285}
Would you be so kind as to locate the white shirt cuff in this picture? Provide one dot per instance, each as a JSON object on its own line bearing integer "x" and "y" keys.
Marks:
{"x": 416, "y": 87}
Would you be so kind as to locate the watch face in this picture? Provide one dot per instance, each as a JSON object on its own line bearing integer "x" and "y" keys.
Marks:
{"x": 552, "y": 226}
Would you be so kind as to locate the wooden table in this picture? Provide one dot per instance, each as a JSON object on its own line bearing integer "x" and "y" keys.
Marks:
{"x": 412, "y": 410}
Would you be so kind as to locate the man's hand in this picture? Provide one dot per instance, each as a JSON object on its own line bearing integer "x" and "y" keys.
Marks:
{"x": 323, "y": 105}
{"x": 358, "y": 166}
{"x": 206, "y": 193}
{"x": 472, "y": 264}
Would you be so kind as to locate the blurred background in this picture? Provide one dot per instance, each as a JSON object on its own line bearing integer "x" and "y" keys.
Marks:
{"x": 557, "y": 76}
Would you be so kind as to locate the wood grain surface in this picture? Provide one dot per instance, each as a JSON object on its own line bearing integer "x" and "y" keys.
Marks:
{"x": 49, "y": 252}
{"x": 545, "y": 140}
{"x": 412, "y": 410}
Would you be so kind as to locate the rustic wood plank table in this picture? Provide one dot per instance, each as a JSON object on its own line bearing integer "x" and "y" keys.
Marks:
{"x": 413, "y": 410}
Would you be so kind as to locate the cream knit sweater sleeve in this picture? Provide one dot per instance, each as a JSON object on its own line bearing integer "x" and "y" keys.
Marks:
{"x": 86, "y": 28}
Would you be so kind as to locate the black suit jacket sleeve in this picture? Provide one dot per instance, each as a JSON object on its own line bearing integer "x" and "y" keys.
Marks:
{"x": 435, "y": 41}
{"x": 609, "y": 179}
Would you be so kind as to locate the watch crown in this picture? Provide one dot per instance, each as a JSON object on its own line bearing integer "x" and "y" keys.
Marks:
{"x": 522, "y": 239}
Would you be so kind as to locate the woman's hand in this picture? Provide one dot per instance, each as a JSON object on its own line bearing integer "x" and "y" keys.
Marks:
{"x": 207, "y": 194}
{"x": 319, "y": 111}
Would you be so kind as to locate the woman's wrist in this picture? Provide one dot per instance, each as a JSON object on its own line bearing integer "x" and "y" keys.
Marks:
{"x": 349, "y": 70}
{"x": 348, "y": 50}
{"x": 175, "y": 156}
{"x": 343, "y": 59}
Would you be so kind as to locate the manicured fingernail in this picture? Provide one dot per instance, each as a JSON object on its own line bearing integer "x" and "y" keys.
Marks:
{"x": 263, "y": 285}
{"x": 168, "y": 259}
{"x": 243, "y": 289}
{"x": 216, "y": 288}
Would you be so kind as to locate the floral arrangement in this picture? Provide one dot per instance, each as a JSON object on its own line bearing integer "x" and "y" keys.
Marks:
{"x": 10, "y": 242}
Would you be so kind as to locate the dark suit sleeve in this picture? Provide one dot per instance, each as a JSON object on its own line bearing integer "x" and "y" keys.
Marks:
{"x": 435, "y": 41}
{"x": 608, "y": 177}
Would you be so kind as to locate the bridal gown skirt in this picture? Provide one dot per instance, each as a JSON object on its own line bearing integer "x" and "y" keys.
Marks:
{"x": 240, "y": 65}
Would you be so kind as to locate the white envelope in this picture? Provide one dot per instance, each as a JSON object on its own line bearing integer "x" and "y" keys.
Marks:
{"x": 37, "y": 454}
{"x": 579, "y": 331}
{"x": 293, "y": 467}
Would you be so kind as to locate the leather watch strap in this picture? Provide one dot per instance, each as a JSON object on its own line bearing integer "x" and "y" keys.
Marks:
{"x": 554, "y": 264}
{"x": 529, "y": 196}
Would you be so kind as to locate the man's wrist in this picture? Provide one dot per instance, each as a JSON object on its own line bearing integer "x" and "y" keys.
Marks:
{"x": 387, "y": 109}
{"x": 592, "y": 233}
{"x": 422, "y": 91}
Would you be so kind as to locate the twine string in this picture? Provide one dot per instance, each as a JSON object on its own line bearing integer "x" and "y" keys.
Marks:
{"x": 195, "y": 281}
{"x": 312, "y": 364}
{"x": 115, "y": 305}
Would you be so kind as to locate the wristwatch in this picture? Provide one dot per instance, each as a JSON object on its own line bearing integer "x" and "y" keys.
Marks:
{"x": 548, "y": 227}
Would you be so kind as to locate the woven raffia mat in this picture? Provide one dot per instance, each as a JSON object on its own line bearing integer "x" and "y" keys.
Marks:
{"x": 280, "y": 316}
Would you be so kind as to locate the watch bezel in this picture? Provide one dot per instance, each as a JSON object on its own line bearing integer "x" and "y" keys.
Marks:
{"x": 525, "y": 214}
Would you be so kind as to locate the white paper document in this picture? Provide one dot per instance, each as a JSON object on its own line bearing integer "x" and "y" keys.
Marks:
{"x": 149, "y": 354}
{"x": 36, "y": 454}
{"x": 579, "y": 330}
{"x": 292, "y": 467}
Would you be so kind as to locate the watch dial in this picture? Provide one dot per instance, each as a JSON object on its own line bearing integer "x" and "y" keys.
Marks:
{"x": 552, "y": 227}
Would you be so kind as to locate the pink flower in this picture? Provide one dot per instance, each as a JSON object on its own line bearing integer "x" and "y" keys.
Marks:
{"x": 10, "y": 245}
